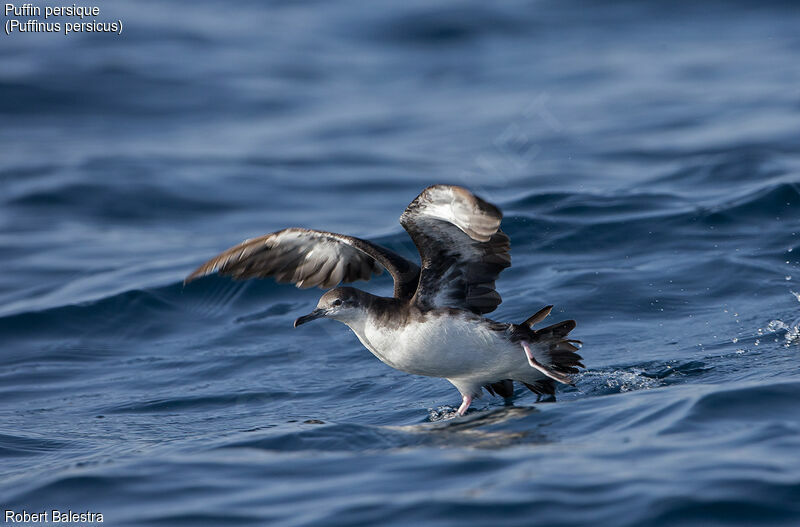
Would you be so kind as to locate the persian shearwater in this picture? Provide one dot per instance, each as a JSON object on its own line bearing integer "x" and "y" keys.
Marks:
{"x": 434, "y": 324}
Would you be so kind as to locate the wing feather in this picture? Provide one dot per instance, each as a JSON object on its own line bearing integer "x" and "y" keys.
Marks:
{"x": 461, "y": 247}
{"x": 310, "y": 258}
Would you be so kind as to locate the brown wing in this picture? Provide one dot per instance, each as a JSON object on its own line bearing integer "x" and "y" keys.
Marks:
{"x": 461, "y": 247}
{"x": 310, "y": 258}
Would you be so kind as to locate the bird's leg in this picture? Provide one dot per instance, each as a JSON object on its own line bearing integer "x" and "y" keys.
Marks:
{"x": 466, "y": 400}
{"x": 527, "y": 347}
{"x": 541, "y": 367}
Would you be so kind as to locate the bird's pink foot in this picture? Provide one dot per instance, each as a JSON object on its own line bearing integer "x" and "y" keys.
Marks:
{"x": 466, "y": 400}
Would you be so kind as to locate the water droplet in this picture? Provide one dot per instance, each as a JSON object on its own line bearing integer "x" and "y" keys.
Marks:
{"x": 776, "y": 325}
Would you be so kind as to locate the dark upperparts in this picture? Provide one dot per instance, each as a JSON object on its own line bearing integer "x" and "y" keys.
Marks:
{"x": 393, "y": 312}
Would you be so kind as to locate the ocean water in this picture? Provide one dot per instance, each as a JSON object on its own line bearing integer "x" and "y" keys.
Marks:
{"x": 646, "y": 156}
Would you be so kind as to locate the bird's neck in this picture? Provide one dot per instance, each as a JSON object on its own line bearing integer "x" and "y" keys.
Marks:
{"x": 376, "y": 311}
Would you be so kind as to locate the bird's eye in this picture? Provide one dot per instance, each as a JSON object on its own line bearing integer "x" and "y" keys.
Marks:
{"x": 337, "y": 302}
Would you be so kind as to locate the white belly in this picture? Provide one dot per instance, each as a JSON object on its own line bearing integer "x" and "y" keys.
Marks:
{"x": 442, "y": 346}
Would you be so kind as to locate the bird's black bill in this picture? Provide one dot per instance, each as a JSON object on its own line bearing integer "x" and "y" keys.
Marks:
{"x": 317, "y": 313}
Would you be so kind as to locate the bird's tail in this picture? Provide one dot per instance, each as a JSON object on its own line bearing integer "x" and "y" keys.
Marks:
{"x": 560, "y": 353}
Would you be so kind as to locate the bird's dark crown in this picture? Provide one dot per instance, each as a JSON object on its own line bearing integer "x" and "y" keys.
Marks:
{"x": 347, "y": 296}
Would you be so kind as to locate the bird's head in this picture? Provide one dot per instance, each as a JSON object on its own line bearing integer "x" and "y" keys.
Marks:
{"x": 343, "y": 304}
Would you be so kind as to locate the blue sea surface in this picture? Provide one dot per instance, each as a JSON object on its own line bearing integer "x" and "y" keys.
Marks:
{"x": 646, "y": 156}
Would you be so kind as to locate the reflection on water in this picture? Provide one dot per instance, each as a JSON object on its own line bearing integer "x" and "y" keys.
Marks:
{"x": 491, "y": 429}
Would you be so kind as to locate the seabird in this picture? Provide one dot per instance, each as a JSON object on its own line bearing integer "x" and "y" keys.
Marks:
{"x": 434, "y": 324}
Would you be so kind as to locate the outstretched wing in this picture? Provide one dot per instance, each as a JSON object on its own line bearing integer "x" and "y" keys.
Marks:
{"x": 310, "y": 258}
{"x": 462, "y": 249}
